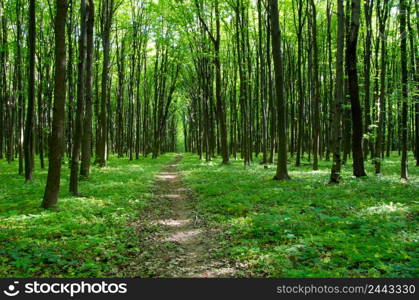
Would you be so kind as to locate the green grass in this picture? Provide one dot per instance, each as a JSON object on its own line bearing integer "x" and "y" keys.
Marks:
{"x": 306, "y": 227}
{"x": 87, "y": 236}
{"x": 299, "y": 228}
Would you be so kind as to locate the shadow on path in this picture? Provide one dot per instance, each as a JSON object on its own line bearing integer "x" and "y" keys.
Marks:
{"x": 174, "y": 240}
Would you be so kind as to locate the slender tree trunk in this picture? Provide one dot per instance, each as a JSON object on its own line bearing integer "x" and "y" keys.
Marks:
{"x": 78, "y": 130}
{"x": 3, "y": 71}
{"x": 382, "y": 12}
{"x": 138, "y": 107}
{"x": 3, "y": 80}
{"x": 56, "y": 148}
{"x": 40, "y": 127}
{"x": 28, "y": 141}
{"x": 21, "y": 99}
{"x": 218, "y": 81}
{"x": 281, "y": 171}
{"x": 120, "y": 60}
{"x": 351, "y": 65}
{"x": 327, "y": 104}
{"x": 70, "y": 94}
{"x": 300, "y": 85}
{"x": 107, "y": 14}
{"x": 339, "y": 98}
{"x": 316, "y": 88}
{"x": 347, "y": 125}
{"x": 368, "y": 9}
{"x": 416, "y": 77}
{"x": 263, "y": 89}
{"x": 272, "y": 104}
{"x": 403, "y": 59}
{"x": 87, "y": 125}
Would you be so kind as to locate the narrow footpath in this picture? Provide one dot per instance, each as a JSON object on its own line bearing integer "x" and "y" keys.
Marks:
{"x": 173, "y": 237}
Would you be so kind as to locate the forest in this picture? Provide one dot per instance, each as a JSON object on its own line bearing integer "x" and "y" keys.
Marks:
{"x": 209, "y": 138}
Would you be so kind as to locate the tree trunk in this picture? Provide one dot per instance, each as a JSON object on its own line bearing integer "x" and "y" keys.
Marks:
{"x": 107, "y": 14}
{"x": 339, "y": 98}
{"x": 316, "y": 88}
{"x": 382, "y": 18}
{"x": 21, "y": 99}
{"x": 368, "y": 9}
{"x": 220, "y": 103}
{"x": 281, "y": 171}
{"x": 3, "y": 80}
{"x": 351, "y": 65}
{"x": 300, "y": 85}
{"x": 28, "y": 141}
{"x": 87, "y": 126}
{"x": 403, "y": 59}
{"x": 56, "y": 148}
{"x": 263, "y": 87}
{"x": 78, "y": 130}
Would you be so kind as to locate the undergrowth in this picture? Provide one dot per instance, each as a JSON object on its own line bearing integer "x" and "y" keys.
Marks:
{"x": 307, "y": 228}
{"x": 86, "y": 236}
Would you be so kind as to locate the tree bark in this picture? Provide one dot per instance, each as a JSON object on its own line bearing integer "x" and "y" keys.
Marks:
{"x": 368, "y": 9}
{"x": 87, "y": 125}
{"x": 56, "y": 148}
{"x": 218, "y": 81}
{"x": 28, "y": 141}
{"x": 351, "y": 65}
{"x": 78, "y": 130}
{"x": 316, "y": 88}
{"x": 403, "y": 60}
{"x": 21, "y": 99}
{"x": 382, "y": 18}
{"x": 281, "y": 171}
{"x": 300, "y": 85}
{"x": 107, "y": 15}
{"x": 339, "y": 98}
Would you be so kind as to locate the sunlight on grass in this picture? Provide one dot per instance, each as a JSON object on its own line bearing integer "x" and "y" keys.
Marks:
{"x": 307, "y": 228}
{"x": 385, "y": 208}
{"x": 85, "y": 236}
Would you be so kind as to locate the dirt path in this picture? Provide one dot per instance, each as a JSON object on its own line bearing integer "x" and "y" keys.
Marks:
{"x": 173, "y": 237}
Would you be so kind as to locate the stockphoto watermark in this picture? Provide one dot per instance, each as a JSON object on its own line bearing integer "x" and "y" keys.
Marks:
{"x": 64, "y": 288}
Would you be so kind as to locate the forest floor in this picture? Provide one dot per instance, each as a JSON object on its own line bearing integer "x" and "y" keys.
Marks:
{"x": 305, "y": 227}
{"x": 175, "y": 240}
{"x": 85, "y": 236}
{"x": 178, "y": 216}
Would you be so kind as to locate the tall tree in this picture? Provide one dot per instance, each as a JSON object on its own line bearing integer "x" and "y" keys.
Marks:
{"x": 299, "y": 29}
{"x": 87, "y": 124}
{"x": 368, "y": 10}
{"x": 3, "y": 72}
{"x": 339, "y": 98}
{"x": 263, "y": 87}
{"x": 21, "y": 98}
{"x": 107, "y": 14}
{"x": 78, "y": 131}
{"x": 218, "y": 81}
{"x": 56, "y": 147}
{"x": 383, "y": 9}
{"x": 316, "y": 87}
{"x": 415, "y": 72}
{"x": 281, "y": 171}
{"x": 120, "y": 60}
{"x": 28, "y": 141}
{"x": 352, "y": 71}
{"x": 403, "y": 60}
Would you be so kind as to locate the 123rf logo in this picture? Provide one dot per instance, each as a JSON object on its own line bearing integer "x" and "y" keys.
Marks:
{"x": 70, "y": 289}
